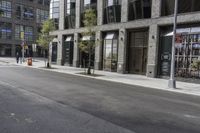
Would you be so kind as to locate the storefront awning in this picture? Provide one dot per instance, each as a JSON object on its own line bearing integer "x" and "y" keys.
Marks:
{"x": 110, "y": 36}
{"x": 55, "y": 40}
{"x": 69, "y": 39}
{"x": 179, "y": 31}
{"x": 87, "y": 38}
{"x": 185, "y": 31}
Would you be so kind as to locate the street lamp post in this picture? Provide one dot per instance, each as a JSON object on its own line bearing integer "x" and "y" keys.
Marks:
{"x": 172, "y": 81}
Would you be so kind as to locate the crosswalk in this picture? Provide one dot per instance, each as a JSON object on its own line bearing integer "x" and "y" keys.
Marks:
{"x": 7, "y": 64}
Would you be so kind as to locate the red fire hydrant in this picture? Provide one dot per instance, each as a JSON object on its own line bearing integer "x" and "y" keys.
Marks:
{"x": 29, "y": 61}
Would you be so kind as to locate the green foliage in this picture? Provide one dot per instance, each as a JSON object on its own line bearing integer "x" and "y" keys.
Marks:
{"x": 196, "y": 64}
{"x": 44, "y": 37}
{"x": 90, "y": 20}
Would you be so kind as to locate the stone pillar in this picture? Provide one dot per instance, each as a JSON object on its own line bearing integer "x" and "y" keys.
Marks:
{"x": 62, "y": 15}
{"x": 122, "y": 51}
{"x": 98, "y": 51}
{"x": 152, "y": 51}
{"x": 124, "y": 11}
{"x": 78, "y": 15}
{"x": 156, "y": 8}
{"x": 59, "y": 49}
{"x": 100, "y": 12}
{"x": 76, "y": 51}
{"x": 13, "y": 50}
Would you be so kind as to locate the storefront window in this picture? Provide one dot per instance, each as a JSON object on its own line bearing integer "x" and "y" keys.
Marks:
{"x": 110, "y": 52}
{"x": 84, "y": 55}
{"x": 184, "y": 6}
{"x": 112, "y": 11}
{"x": 139, "y": 9}
{"x": 187, "y": 52}
{"x": 5, "y": 6}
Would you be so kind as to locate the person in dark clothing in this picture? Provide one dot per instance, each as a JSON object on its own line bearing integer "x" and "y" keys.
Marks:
{"x": 17, "y": 57}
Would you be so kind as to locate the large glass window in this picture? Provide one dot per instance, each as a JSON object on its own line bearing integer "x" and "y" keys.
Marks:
{"x": 28, "y": 13}
{"x": 139, "y": 9}
{"x": 28, "y": 32}
{"x": 44, "y": 2}
{"x": 87, "y": 4}
{"x": 184, "y": 6}
{"x": 5, "y": 6}
{"x": 112, "y": 11}
{"x": 70, "y": 10}
{"x": 5, "y": 30}
{"x": 55, "y": 11}
{"x": 42, "y": 15}
{"x": 24, "y": 12}
{"x": 110, "y": 52}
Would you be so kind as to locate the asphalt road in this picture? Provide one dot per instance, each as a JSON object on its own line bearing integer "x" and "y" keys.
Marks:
{"x": 38, "y": 101}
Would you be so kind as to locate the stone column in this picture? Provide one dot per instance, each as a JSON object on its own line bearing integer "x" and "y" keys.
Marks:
{"x": 98, "y": 50}
{"x": 152, "y": 51}
{"x": 59, "y": 49}
{"x": 62, "y": 15}
{"x": 76, "y": 51}
{"x": 78, "y": 15}
{"x": 124, "y": 11}
{"x": 156, "y": 8}
{"x": 122, "y": 51}
{"x": 61, "y": 27}
{"x": 99, "y": 12}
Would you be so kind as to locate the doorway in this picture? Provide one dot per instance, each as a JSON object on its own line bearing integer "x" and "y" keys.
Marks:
{"x": 137, "y": 52}
{"x": 68, "y": 51}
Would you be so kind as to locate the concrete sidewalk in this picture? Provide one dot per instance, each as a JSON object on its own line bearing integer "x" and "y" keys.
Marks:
{"x": 131, "y": 79}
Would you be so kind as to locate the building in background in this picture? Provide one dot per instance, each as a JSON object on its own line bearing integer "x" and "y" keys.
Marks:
{"x": 20, "y": 24}
{"x": 135, "y": 35}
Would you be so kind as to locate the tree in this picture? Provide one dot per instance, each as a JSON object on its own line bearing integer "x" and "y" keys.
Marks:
{"x": 45, "y": 38}
{"x": 90, "y": 21}
{"x": 196, "y": 65}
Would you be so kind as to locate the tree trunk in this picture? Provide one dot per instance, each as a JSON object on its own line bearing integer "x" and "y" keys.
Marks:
{"x": 89, "y": 63}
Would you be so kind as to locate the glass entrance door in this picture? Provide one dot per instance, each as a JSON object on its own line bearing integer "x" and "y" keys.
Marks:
{"x": 137, "y": 57}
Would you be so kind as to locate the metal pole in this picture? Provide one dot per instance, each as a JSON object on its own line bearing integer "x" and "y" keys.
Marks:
{"x": 23, "y": 54}
{"x": 172, "y": 81}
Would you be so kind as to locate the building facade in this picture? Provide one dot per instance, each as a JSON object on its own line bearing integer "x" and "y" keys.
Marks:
{"x": 133, "y": 36}
{"x": 20, "y": 24}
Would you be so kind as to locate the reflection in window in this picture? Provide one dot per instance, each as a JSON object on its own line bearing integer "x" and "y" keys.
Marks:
{"x": 5, "y": 30}
{"x": 28, "y": 32}
{"x": 87, "y": 4}
{"x": 55, "y": 11}
{"x": 184, "y": 6}
{"x": 139, "y": 9}
{"x": 5, "y": 6}
{"x": 70, "y": 10}
{"x": 24, "y": 12}
{"x": 110, "y": 51}
{"x": 112, "y": 11}
{"x": 42, "y": 15}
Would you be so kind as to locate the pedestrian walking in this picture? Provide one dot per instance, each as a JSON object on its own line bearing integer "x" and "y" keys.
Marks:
{"x": 17, "y": 57}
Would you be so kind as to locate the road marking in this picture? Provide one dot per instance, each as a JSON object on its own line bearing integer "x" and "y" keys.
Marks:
{"x": 192, "y": 116}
